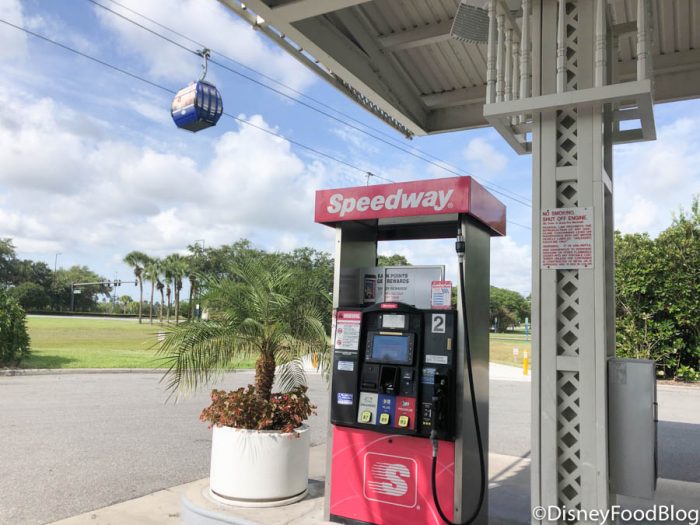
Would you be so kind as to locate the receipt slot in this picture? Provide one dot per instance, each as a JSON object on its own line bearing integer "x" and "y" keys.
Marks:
{"x": 407, "y": 438}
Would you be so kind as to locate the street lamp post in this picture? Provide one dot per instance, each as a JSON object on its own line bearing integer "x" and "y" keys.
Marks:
{"x": 55, "y": 266}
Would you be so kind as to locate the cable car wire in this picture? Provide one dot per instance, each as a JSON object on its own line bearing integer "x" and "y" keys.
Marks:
{"x": 173, "y": 92}
{"x": 422, "y": 156}
{"x": 263, "y": 75}
{"x": 300, "y": 93}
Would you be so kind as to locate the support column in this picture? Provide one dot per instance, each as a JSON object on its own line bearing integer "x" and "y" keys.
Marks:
{"x": 355, "y": 247}
{"x": 573, "y": 309}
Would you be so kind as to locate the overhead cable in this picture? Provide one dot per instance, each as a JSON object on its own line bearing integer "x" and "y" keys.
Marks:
{"x": 135, "y": 76}
{"x": 415, "y": 152}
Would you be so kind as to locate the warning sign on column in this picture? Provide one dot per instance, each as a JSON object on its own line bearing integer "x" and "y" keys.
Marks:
{"x": 567, "y": 238}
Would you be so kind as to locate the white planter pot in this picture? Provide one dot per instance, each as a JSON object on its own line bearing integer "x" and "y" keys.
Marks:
{"x": 251, "y": 468}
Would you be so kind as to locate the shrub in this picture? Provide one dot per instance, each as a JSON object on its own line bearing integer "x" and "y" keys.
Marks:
{"x": 687, "y": 374}
{"x": 14, "y": 339}
{"x": 30, "y": 296}
{"x": 243, "y": 409}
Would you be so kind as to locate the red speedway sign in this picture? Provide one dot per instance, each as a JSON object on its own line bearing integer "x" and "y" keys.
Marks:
{"x": 425, "y": 197}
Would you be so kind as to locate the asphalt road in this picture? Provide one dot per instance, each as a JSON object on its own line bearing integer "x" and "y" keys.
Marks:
{"x": 72, "y": 443}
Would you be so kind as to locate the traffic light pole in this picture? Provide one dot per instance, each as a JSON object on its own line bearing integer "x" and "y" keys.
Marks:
{"x": 74, "y": 289}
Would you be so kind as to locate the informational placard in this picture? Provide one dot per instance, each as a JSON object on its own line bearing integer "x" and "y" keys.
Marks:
{"x": 567, "y": 238}
{"x": 404, "y": 284}
{"x": 347, "y": 330}
{"x": 441, "y": 295}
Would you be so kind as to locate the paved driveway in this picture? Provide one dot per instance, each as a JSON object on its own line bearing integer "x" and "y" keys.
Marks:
{"x": 71, "y": 443}
{"x": 76, "y": 442}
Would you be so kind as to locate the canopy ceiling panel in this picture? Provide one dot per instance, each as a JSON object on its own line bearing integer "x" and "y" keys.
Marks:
{"x": 399, "y": 55}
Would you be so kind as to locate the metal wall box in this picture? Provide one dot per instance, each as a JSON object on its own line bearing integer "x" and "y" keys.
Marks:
{"x": 632, "y": 416}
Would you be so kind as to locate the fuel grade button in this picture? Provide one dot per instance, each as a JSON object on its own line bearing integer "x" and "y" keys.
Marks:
{"x": 366, "y": 416}
{"x": 403, "y": 421}
{"x": 384, "y": 419}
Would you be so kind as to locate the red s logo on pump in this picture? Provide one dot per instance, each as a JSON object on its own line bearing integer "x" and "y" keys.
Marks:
{"x": 390, "y": 479}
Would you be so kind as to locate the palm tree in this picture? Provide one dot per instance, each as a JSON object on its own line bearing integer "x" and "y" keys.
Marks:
{"x": 137, "y": 260}
{"x": 254, "y": 314}
{"x": 195, "y": 264}
{"x": 168, "y": 275}
{"x": 192, "y": 278}
{"x": 151, "y": 273}
{"x": 177, "y": 265}
{"x": 160, "y": 286}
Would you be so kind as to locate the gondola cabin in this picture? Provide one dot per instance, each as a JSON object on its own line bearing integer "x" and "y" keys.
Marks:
{"x": 197, "y": 107}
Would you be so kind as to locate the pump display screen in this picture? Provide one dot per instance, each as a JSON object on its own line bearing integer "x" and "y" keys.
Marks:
{"x": 391, "y": 348}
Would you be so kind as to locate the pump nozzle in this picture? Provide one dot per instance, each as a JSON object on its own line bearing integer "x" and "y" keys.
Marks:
{"x": 460, "y": 245}
{"x": 433, "y": 423}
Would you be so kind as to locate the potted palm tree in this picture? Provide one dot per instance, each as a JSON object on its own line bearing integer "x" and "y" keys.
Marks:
{"x": 260, "y": 444}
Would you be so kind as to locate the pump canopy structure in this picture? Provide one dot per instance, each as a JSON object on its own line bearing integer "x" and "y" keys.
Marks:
{"x": 564, "y": 80}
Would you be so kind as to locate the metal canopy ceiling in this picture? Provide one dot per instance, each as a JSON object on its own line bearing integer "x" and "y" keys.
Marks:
{"x": 396, "y": 57}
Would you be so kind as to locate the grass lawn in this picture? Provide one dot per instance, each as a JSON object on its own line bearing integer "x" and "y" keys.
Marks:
{"x": 502, "y": 348}
{"x": 124, "y": 343}
{"x": 92, "y": 343}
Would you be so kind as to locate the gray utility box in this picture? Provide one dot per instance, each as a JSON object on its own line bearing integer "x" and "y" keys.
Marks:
{"x": 632, "y": 416}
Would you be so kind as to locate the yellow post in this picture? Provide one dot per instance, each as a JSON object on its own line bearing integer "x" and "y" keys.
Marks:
{"x": 314, "y": 360}
{"x": 525, "y": 362}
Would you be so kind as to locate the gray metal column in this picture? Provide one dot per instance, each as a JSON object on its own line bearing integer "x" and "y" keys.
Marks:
{"x": 355, "y": 247}
{"x": 476, "y": 285}
{"x": 573, "y": 309}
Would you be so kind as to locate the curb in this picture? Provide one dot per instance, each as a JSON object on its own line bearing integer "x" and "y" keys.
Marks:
{"x": 65, "y": 371}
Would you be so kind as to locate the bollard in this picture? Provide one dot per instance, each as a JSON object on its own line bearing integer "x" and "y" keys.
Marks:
{"x": 525, "y": 363}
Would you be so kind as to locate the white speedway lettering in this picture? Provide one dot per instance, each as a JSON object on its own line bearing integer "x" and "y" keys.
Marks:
{"x": 437, "y": 200}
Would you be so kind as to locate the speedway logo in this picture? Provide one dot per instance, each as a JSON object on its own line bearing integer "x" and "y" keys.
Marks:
{"x": 403, "y": 199}
{"x": 390, "y": 479}
{"x": 431, "y": 200}
{"x": 450, "y": 196}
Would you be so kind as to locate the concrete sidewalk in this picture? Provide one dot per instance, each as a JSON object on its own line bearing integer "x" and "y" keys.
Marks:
{"x": 501, "y": 372}
{"x": 508, "y": 497}
{"x": 509, "y": 500}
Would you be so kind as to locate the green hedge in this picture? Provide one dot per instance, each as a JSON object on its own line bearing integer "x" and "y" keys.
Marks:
{"x": 14, "y": 339}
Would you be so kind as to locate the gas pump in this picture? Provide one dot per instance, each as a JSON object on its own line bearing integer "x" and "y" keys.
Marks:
{"x": 407, "y": 439}
{"x": 406, "y": 361}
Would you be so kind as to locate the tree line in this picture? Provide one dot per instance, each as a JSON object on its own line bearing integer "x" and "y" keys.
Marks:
{"x": 35, "y": 286}
{"x": 167, "y": 275}
{"x": 657, "y": 287}
{"x": 658, "y": 296}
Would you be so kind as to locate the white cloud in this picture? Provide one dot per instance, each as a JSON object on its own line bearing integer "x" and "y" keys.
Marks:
{"x": 510, "y": 261}
{"x": 33, "y": 139}
{"x": 511, "y": 265}
{"x": 654, "y": 179}
{"x": 13, "y": 43}
{"x": 359, "y": 143}
{"x": 65, "y": 189}
{"x": 484, "y": 158}
{"x": 207, "y": 22}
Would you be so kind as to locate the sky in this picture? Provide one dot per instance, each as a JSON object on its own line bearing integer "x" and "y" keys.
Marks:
{"x": 92, "y": 167}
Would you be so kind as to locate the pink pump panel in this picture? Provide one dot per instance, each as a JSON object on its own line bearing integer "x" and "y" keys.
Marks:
{"x": 380, "y": 478}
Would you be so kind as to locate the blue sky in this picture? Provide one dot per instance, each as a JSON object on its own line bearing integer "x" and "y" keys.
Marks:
{"x": 91, "y": 165}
